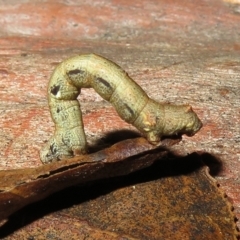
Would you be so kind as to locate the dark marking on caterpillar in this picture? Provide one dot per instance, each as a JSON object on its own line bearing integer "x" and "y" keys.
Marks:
{"x": 75, "y": 71}
{"x": 104, "y": 82}
{"x": 55, "y": 89}
{"x": 153, "y": 119}
{"x": 52, "y": 149}
{"x": 129, "y": 109}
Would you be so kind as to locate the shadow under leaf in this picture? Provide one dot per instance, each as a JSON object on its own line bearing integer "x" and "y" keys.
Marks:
{"x": 169, "y": 167}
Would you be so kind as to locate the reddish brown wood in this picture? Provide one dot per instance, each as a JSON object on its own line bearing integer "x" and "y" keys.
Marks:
{"x": 178, "y": 51}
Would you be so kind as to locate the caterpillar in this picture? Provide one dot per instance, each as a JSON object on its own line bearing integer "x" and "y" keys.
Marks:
{"x": 154, "y": 120}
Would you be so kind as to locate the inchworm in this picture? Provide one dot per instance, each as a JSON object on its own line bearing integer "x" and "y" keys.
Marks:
{"x": 113, "y": 84}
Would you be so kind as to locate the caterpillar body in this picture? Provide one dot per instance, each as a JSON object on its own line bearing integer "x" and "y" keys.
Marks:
{"x": 113, "y": 84}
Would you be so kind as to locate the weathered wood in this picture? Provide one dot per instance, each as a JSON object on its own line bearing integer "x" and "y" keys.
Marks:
{"x": 178, "y": 51}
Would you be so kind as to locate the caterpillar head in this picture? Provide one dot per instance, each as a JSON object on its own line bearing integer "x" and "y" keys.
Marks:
{"x": 180, "y": 120}
{"x": 158, "y": 120}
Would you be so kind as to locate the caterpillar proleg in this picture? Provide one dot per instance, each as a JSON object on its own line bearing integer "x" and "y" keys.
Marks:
{"x": 113, "y": 84}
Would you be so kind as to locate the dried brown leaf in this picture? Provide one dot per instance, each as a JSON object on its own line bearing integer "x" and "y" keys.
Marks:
{"x": 20, "y": 187}
{"x": 175, "y": 198}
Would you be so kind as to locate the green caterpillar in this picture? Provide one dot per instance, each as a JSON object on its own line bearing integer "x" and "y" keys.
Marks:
{"x": 112, "y": 83}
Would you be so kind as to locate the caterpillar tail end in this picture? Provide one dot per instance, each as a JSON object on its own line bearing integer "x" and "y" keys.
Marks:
{"x": 56, "y": 151}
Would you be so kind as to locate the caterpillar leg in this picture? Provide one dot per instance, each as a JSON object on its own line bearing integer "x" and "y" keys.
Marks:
{"x": 55, "y": 150}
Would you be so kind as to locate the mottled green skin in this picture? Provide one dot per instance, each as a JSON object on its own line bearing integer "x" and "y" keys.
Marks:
{"x": 151, "y": 118}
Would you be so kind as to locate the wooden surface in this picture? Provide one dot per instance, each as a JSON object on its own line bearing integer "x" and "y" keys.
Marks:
{"x": 178, "y": 51}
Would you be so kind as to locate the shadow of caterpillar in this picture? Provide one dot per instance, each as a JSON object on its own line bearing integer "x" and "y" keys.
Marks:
{"x": 112, "y": 83}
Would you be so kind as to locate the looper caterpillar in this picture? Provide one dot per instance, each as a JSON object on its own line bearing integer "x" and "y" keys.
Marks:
{"x": 112, "y": 83}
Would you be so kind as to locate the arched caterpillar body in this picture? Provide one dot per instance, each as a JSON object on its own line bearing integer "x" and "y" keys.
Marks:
{"x": 112, "y": 83}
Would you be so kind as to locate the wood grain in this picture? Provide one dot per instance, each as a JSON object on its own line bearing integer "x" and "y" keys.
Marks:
{"x": 178, "y": 51}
